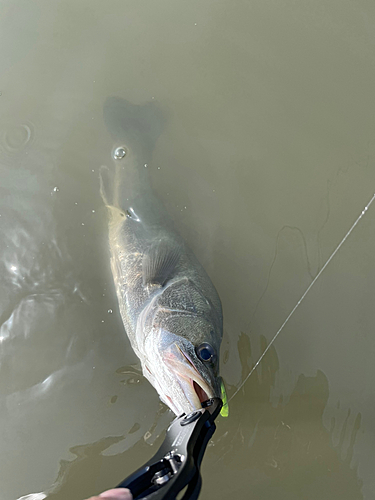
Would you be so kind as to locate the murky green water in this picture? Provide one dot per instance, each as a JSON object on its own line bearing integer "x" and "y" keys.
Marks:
{"x": 266, "y": 161}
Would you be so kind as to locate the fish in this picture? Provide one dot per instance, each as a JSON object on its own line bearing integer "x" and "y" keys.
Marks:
{"x": 170, "y": 309}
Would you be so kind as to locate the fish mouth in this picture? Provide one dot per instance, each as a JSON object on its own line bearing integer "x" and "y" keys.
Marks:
{"x": 193, "y": 385}
{"x": 200, "y": 392}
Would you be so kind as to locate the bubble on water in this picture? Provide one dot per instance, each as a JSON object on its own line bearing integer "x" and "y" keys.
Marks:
{"x": 102, "y": 320}
{"x": 82, "y": 223}
{"x": 110, "y": 311}
{"x": 158, "y": 168}
{"x": 93, "y": 211}
{"x": 145, "y": 165}
{"x": 56, "y": 189}
{"x": 119, "y": 153}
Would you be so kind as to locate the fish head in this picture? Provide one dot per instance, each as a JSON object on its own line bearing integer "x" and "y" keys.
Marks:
{"x": 181, "y": 360}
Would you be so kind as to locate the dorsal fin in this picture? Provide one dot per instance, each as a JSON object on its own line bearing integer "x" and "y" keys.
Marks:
{"x": 160, "y": 261}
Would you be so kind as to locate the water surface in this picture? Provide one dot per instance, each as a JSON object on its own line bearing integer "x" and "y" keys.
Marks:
{"x": 266, "y": 161}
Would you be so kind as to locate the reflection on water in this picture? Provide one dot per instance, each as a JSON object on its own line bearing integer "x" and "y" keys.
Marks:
{"x": 266, "y": 160}
{"x": 93, "y": 469}
{"x": 283, "y": 449}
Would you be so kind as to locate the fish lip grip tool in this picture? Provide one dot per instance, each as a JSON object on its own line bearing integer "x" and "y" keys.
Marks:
{"x": 177, "y": 462}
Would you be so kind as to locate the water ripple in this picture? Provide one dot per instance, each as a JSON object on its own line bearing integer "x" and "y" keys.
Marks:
{"x": 15, "y": 138}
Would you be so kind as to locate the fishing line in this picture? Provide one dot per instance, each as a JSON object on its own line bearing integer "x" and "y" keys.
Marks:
{"x": 305, "y": 293}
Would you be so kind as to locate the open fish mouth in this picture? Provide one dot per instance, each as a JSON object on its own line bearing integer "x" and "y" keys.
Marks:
{"x": 193, "y": 385}
{"x": 200, "y": 392}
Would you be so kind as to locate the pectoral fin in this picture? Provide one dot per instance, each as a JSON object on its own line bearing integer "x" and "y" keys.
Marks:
{"x": 160, "y": 261}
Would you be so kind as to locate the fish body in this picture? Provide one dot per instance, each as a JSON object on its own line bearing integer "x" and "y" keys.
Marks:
{"x": 170, "y": 309}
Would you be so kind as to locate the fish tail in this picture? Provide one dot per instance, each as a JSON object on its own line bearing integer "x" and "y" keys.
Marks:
{"x": 135, "y": 130}
{"x": 138, "y": 126}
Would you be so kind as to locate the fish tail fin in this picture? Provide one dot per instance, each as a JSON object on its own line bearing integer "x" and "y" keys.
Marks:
{"x": 138, "y": 126}
{"x": 135, "y": 128}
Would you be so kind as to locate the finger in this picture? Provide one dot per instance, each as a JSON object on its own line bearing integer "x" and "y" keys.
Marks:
{"x": 117, "y": 494}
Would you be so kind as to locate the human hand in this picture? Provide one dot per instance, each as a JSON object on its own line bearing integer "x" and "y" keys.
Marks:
{"x": 115, "y": 494}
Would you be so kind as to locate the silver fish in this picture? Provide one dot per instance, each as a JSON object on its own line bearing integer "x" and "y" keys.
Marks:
{"x": 170, "y": 309}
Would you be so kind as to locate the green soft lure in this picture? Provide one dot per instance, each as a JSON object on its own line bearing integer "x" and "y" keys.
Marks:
{"x": 224, "y": 412}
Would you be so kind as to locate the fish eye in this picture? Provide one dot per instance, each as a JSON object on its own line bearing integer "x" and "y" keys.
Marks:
{"x": 206, "y": 353}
